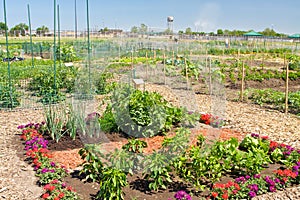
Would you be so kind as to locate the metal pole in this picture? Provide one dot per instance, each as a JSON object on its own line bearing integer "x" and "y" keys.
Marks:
{"x": 54, "y": 46}
{"x": 7, "y": 55}
{"x": 75, "y": 19}
{"x": 58, "y": 29}
{"x": 31, "y": 45}
{"x": 88, "y": 35}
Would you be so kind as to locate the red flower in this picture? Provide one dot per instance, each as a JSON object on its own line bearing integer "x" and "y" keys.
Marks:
{"x": 54, "y": 181}
{"x": 214, "y": 194}
{"x": 265, "y": 137}
{"x": 45, "y": 196}
{"x": 61, "y": 195}
{"x": 225, "y": 196}
{"x": 51, "y": 188}
{"x": 56, "y": 198}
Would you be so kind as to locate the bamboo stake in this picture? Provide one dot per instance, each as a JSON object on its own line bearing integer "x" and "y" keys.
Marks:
{"x": 186, "y": 74}
{"x": 164, "y": 60}
{"x": 209, "y": 71}
{"x": 147, "y": 65}
{"x": 286, "y": 86}
{"x": 242, "y": 81}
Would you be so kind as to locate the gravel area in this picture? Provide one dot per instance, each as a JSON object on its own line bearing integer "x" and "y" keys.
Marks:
{"x": 17, "y": 180}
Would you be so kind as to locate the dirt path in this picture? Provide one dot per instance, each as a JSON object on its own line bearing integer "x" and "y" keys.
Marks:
{"x": 17, "y": 178}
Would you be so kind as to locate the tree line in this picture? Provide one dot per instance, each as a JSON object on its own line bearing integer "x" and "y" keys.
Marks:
{"x": 21, "y": 29}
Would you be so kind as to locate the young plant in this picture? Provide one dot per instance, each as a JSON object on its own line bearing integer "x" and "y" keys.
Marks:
{"x": 92, "y": 166}
{"x": 111, "y": 183}
{"x": 157, "y": 169}
{"x": 135, "y": 146}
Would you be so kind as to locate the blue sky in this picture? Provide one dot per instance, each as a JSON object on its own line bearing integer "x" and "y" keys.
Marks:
{"x": 199, "y": 15}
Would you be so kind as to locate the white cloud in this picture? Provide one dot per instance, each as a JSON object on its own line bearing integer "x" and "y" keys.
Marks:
{"x": 208, "y": 17}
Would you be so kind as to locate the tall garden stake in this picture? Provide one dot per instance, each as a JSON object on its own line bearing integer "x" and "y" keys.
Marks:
{"x": 31, "y": 45}
{"x": 7, "y": 54}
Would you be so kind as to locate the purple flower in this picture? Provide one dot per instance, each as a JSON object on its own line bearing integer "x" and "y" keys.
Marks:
{"x": 272, "y": 188}
{"x": 252, "y": 194}
{"x": 253, "y": 187}
{"x": 240, "y": 179}
{"x": 257, "y": 176}
{"x": 296, "y": 168}
{"x": 254, "y": 135}
{"x": 182, "y": 195}
{"x": 52, "y": 164}
{"x": 45, "y": 170}
{"x": 21, "y": 126}
{"x": 276, "y": 180}
{"x": 247, "y": 177}
{"x": 64, "y": 185}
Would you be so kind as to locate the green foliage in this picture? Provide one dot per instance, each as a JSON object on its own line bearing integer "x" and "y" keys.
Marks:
{"x": 92, "y": 166}
{"x": 66, "y": 53}
{"x": 9, "y": 96}
{"x": 157, "y": 170}
{"x": 55, "y": 118}
{"x": 107, "y": 121}
{"x": 122, "y": 160}
{"x": 275, "y": 99}
{"x": 139, "y": 114}
{"x": 135, "y": 145}
{"x": 294, "y": 62}
{"x": 111, "y": 184}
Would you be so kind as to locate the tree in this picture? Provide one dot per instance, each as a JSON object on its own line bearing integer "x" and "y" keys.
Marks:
{"x": 220, "y": 32}
{"x": 188, "y": 31}
{"x": 143, "y": 29}
{"x": 180, "y": 32}
{"x": 134, "y": 29}
{"x": 42, "y": 30}
{"x": 3, "y": 27}
{"x": 19, "y": 29}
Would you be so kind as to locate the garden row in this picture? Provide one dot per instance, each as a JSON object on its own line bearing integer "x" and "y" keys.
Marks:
{"x": 201, "y": 165}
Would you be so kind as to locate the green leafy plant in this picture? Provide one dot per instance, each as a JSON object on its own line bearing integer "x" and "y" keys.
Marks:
{"x": 111, "y": 183}
{"x": 9, "y": 97}
{"x": 135, "y": 146}
{"x": 157, "y": 170}
{"x": 92, "y": 166}
{"x": 56, "y": 119}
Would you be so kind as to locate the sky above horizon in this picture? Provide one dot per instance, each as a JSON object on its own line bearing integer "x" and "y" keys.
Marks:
{"x": 199, "y": 15}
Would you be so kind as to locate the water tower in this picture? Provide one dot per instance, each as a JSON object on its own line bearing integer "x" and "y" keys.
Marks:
{"x": 170, "y": 20}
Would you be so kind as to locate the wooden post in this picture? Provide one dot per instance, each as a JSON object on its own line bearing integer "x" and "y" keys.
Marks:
{"x": 242, "y": 81}
{"x": 173, "y": 61}
{"x": 186, "y": 74}
{"x": 263, "y": 61}
{"x": 209, "y": 72}
{"x": 164, "y": 60}
{"x": 147, "y": 65}
{"x": 286, "y": 86}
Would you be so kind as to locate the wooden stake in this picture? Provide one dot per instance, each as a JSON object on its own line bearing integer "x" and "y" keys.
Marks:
{"x": 242, "y": 82}
{"x": 286, "y": 87}
{"x": 164, "y": 60}
{"x": 186, "y": 74}
{"x": 209, "y": 72}
{"x": 173, "y": 61}
{"x": 147, "y": 65}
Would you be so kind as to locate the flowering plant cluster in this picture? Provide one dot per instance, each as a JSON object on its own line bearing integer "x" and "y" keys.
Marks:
{"x": 181, "y": 195}
{"x": 57, "y": 190}
{"x": 247, "y": 187}
{"x": 50, "y": 174}
{"x": 211, "y": 120}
